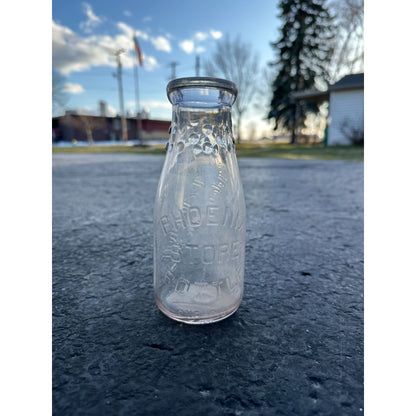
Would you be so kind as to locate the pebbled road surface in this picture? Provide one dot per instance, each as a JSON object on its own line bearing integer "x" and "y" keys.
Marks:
{"x": 294, "y": 347}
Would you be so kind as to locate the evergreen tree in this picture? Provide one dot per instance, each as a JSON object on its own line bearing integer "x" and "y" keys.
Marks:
{"x": 304, "y": 51}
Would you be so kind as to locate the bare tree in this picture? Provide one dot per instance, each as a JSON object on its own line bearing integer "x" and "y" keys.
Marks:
{"x": 85, "y": 123}
{"x": 235, "y": 61}
{"x": 59, "y": 96}
{"x": 349, "y": 54}
{"x": 252, "y": 131}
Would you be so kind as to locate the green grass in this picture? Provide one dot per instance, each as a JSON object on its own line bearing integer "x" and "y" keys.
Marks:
{"x": 273, "y": 150}
{"x": 300, "y": 151}
{"x": 155, "y": 150}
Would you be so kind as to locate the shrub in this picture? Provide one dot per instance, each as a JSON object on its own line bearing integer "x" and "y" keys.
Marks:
{"x": 354, "y": 133}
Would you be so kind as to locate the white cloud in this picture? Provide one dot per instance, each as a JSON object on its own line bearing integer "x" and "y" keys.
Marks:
{"x": 190, "y": 45}
{"x": 201, "y": 36}
{"x": 86, "y": 111}
{"x": 125, "y": 28}
{"x": 150, "y": 62}
{"x": 111, "y": 111}
{"x": 74, "y": 53}
{"x": 187, "y": 45}
{"x": 73, "y": 88}
{"x": 216, "y": 34}
{"x": 161, "y": 43}
{"x": 156, "y": 108}
{"x": 147, "y": 19}
{"x": 92, "y": 21}
{"x": 129, "y": 31}
{"x": 127, "y": 13}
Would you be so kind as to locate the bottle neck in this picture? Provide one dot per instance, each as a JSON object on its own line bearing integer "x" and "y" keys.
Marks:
{"x": 196, "y": 124}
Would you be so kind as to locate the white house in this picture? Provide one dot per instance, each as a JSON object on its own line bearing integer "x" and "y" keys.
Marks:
{"x": 346, "y": 109}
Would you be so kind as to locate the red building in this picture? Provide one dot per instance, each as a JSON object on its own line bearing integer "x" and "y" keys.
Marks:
{"x": 102, "y": 128}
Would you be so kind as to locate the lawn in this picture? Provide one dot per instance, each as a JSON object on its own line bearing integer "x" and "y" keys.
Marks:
{"x": 273, "y": 150}
{"x": 301, "y": 151}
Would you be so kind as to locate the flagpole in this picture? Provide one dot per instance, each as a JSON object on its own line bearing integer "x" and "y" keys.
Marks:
{"x": 120, "y": 93}
{"x": 138, "y": 118}
{"x": 136, "y": 85}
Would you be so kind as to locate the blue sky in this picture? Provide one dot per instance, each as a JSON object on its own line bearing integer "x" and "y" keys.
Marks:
{"x": 84, "y": 34}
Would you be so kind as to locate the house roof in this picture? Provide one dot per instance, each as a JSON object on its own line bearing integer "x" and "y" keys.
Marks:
{"x": 349, "y": 82}
{"x": 311, "y": 95}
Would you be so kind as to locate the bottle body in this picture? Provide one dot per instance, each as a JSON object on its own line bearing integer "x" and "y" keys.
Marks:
{"x": 199, "y": 218}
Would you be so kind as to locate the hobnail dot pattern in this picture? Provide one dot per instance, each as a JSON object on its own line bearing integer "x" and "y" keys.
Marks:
{"x": 206, "y": 136}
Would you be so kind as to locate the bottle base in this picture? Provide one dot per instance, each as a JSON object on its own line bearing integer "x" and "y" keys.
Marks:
{"x": 197, "y": 321}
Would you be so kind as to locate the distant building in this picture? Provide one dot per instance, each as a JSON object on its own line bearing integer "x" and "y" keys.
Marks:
{"x": 346, "y": 109}
{"x": 101, "y": 128}
{"x": 103, "y": 108}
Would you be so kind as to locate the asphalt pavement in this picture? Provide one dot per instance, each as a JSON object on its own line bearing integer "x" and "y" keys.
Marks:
{"x": 295, "y": 345}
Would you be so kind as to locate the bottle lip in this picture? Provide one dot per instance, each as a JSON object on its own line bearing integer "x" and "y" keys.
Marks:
{"x": 202, "y": 82}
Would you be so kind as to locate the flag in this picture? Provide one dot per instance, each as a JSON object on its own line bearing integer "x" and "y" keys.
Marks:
{"x": 138, "y": 51}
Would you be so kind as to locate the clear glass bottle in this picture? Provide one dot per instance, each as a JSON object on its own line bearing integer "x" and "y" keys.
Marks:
{"x": 199, "y": 212}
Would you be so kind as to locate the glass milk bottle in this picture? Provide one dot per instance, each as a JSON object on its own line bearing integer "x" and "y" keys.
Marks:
{"x": 199, "y": 212}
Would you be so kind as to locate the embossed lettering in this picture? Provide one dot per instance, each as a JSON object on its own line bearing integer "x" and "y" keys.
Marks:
{"x": 205, "y": 254}
{"x": 222, "y": 253}
{"x": 228, "y": 216}
{"x": 182, "y": 285}
{"x": 208, "y": 254}
{"x": 165, "y": 224}
{"x": 176, "y": 254}
{"x": 193, "y": 252}
{"x": 235, "y": 252}
{"x": 194, "y": 216}
{"x": 212, "y": 215}
{"x": 179, "y": 220}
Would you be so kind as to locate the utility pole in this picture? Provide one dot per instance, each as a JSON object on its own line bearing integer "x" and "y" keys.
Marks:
{"x": 173, "y": 68}
{"x": 197, "y": 66}
{"x": 120, "y": 93}
{"x": 138, "y": 116}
